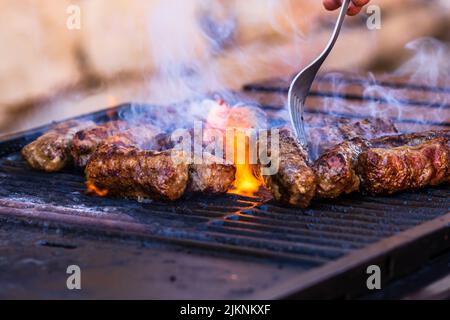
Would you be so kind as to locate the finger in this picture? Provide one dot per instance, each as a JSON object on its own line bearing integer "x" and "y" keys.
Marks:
{"x": 360, "y": 3}
{"x": 353, "y": 10}
{"x": 332, "y": 4}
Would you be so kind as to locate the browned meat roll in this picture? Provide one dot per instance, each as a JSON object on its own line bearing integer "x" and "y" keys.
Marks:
{"x": 386, "y": 171}
{"x": 367, "y": 128}
{"x": 86, "y": 141}
{"x": 51, "y": 151}
{"x": 339, "y": 170}
{"x": 295, "y": 182}
{"x": 409, "y": 139}
{"x": 130, "y": 172}
{"x": 211, "y": 177}
{"x": 328, "y": 134}
{"x": 121, "y": 153}
{"x": 336, "y": 169}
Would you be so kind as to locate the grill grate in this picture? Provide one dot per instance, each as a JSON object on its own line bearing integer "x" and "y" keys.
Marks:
{"x": 251, "y": 226}
{"x": 328, "y": 243}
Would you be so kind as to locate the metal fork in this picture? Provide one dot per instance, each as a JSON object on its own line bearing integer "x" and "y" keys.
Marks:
{"x": 301, "y": 85}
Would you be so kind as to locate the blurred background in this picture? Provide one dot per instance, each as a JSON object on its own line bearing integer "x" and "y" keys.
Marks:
{"x": 163, "y": 51}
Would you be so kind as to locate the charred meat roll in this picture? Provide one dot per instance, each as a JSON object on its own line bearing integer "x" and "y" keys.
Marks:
{"x": 212, "y": 175}
{"x": 86, "y": 141}
{"x": 51, "y": 151}
{"x": 130, "y": 172}
{"x": 336, "y": 169}
{"x": 129, "y": 149}
{"x": 339, "y": 170}
{"x": 326, "y": 135}
{"x": 386, "y": 171}
{"x": 294, "y": 183}
{"x": 367, "y": 128}
{"x": 409, "y": 139}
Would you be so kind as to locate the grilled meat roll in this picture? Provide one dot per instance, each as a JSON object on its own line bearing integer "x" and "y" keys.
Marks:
{"x": 336, "y": 169}
{"x": 295, "y": 182}
{"x": 326, "y": 135}
{"x": 130, "y": 172}
{"x": 51, "y": 151}
{"x": 86, "y": 141}
{"x": 386, "y": 171}
{"x": 212, "y": 176}
{"x": 367, "y": 128}
{"x": 409, "y": 139}
{"x": 339, "y": 170}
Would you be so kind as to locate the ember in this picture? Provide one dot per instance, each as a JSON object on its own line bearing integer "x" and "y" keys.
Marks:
{"x": 93, "y": 189}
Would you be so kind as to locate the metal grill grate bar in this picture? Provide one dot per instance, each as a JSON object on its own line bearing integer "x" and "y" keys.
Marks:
{"x": 311, "y": 237}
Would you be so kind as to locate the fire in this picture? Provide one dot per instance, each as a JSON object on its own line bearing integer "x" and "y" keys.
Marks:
{"x": 93, "y": 189}
{"x": 222, "y": 116}
{"x": 246, "y": 184}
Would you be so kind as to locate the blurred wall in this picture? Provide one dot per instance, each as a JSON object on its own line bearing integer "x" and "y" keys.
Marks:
{"x": 239, "y": 41}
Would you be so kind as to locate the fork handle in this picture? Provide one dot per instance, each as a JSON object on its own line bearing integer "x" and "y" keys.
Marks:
{"x": 337, "y": 29}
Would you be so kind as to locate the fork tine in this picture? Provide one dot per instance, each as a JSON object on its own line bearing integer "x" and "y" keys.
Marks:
{"x": 301, "y": 84}
{"x": 295, "y": 111}
{"x": 299, "y": 121}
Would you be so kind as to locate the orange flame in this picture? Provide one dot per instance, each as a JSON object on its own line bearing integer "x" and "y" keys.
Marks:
{"x": 246, "y": 183}
{"x": 93, "y": 189}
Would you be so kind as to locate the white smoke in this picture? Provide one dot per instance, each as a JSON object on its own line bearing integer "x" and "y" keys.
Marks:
{"x": 185, "y": 36}
{"x": 422, "y": 99}
{"x": 429, "y": 64}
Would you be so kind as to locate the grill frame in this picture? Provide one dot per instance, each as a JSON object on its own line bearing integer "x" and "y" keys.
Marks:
{"x": 346, "y": 277}
{"x": 398, "y": 252}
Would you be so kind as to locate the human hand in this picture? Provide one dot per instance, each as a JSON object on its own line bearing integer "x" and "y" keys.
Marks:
{"x": 354, "y": 8}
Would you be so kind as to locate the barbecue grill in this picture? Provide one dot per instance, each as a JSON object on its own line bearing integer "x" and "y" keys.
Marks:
{"x": 233, "y": 246}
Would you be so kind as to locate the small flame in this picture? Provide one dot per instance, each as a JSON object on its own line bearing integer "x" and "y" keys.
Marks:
{"x": 222, "y": 116}
{"x": 93, "y": 189}
{"x": 245, "y": 183}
